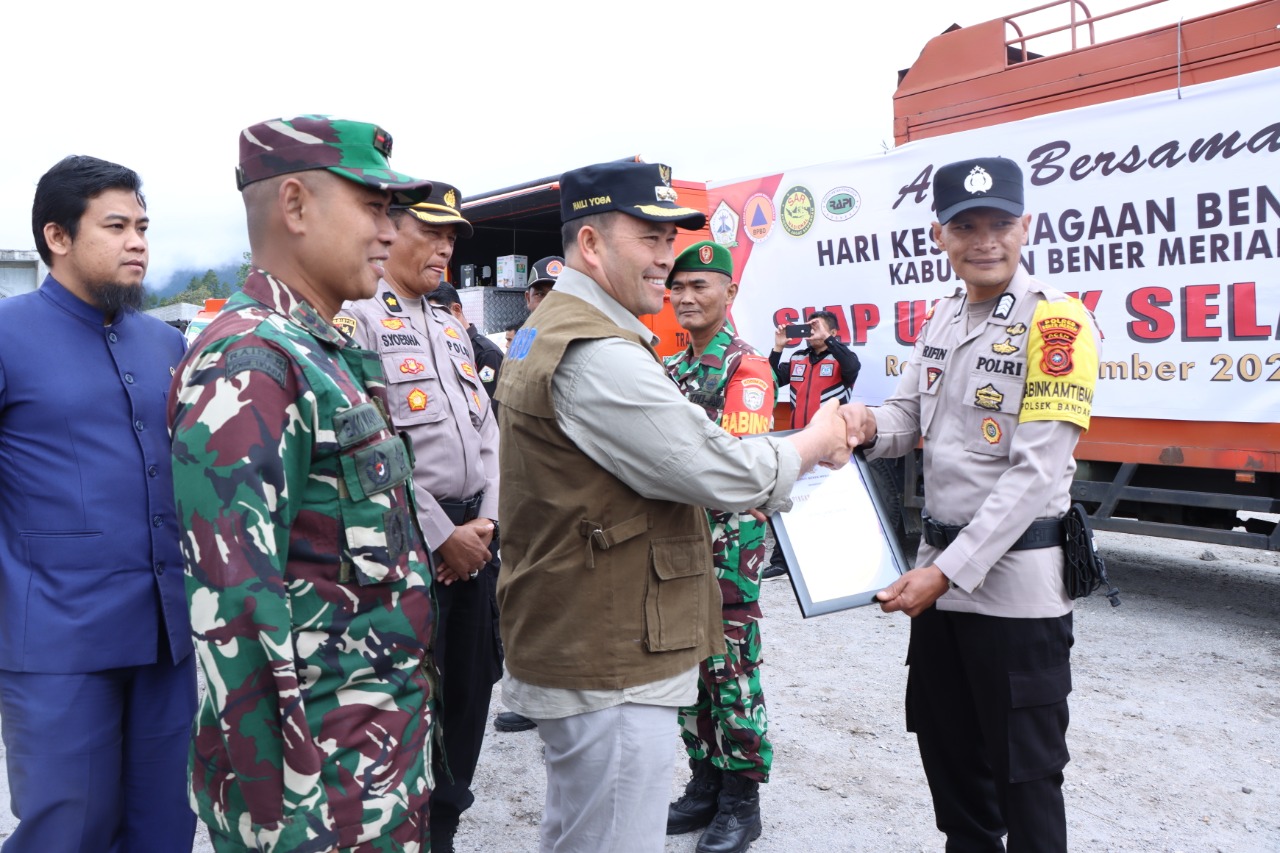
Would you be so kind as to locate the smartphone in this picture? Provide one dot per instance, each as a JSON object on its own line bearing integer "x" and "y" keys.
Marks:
{"x": 798, "y": 330}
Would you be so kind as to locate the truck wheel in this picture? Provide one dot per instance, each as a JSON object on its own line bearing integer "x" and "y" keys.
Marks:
{"x": 887, "y": 477}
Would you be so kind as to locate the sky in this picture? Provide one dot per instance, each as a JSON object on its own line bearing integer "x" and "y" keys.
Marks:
{"x": 480, "y": 94}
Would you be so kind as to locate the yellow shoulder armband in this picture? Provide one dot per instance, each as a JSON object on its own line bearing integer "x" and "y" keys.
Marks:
{"x": 1062, "y": 364}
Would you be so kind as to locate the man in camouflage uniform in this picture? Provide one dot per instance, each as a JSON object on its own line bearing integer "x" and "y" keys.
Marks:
{"x": 725, "y": 733}
{"x": 309, "y": 590}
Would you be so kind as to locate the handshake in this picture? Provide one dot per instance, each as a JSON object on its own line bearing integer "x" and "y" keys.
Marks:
{"x": 834, "y": 433}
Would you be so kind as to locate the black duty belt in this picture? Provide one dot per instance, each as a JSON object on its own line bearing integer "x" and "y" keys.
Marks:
{"x": 1043, "y": 533}
{"x": 460, "y": 512}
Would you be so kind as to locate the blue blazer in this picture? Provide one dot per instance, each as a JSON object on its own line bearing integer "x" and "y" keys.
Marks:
{"x": 90, "y": 569}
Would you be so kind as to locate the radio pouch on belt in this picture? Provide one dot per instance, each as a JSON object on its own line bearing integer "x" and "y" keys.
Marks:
{"x": 1083, "y": 568}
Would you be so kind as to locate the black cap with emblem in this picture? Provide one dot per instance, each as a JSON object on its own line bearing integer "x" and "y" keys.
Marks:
{"x": 980, "y": 182}
{"x": 642, "y": 190}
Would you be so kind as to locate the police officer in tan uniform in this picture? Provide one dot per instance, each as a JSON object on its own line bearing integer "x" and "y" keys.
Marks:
{"x": 1000, "y": 386}
{"x": 437, "y": 397}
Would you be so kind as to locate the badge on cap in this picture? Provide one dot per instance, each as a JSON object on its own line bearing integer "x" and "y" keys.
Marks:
{"x": 554, "y": 268}
{"x": 978, "y": 181}
{"x": 382, "y": 141}
{"x": 665, "y": 194}
{"x": 705, "y": 254}
{"x": 451, "y": 198}
{"x": 664, "y": 172}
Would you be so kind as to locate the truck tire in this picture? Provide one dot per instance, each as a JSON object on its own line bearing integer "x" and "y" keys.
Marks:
{"x": 887, "y": 479}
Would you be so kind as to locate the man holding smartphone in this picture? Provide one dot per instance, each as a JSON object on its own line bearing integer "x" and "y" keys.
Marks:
{"x": 823, "y": 370}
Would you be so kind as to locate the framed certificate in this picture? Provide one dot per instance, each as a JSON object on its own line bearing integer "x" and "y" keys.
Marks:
{"x": 839, "y": 546}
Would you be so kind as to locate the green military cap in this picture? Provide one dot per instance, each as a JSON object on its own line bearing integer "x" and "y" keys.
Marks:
{"x": 705, "y": 255}
{"x": 355, "y": 150}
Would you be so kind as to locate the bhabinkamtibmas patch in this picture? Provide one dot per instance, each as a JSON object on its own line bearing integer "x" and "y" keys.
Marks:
{"x": 1062, "y": 364}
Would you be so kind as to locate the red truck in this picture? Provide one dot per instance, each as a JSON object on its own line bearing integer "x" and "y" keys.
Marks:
{"x": 1151, "y": 163}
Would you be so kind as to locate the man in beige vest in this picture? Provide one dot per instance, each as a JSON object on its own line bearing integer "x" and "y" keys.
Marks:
{"x": 608, "y": 597}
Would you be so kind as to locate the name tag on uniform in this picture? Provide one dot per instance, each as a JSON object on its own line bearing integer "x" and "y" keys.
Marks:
{"x": 357, "y": 423}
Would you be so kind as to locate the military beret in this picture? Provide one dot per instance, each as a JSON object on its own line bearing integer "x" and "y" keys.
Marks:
{"x": 354, "y": 150}
{"x": 442, "y": 207}
{"x": 981, "y": 182}
{"x": 705, "y": 255}
{"x": 642, "y": 190}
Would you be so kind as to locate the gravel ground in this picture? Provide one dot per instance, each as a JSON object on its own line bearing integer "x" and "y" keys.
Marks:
{"x": 1175, "y": 732}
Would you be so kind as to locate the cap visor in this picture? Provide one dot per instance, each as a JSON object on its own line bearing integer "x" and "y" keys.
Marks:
{"x": 947, "y": 215}
{"x": 443, "y": 217}
{"x": 683, "y": 217}
{"x": 404, "y": 189}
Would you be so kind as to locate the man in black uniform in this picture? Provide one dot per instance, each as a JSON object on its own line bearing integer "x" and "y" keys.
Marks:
{"x": 488, "y": 354}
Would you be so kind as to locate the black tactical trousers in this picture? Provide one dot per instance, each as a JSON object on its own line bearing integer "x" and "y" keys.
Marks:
{"x": 987, "y": 700}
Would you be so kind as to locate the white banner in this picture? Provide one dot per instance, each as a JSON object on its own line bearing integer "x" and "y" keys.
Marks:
{"x": 1162, "y": 214}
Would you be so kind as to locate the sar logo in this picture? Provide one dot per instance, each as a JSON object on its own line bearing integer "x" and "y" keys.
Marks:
{"x": 392, "y": 323}
{"x": 554, "y": 268}
{"x": 978, "y": 181}
{"x": 1006, "y": 347}
{"x": 757, "y": 217}
{"x": 798, "y": 211}
{"x": 754, "y": 392}
{"x": 417, "y": 400}
{"x": 412, "y": 366}
{"x": 841, "y": 203}
{"x": 724, "y": 225}
{"x": 991, "y": 430}
{"x": 987, "y": 397}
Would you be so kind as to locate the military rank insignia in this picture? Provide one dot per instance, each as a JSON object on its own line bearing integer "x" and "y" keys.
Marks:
{"x": 987, "y": 397}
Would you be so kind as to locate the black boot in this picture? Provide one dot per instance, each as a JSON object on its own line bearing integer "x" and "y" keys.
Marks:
{"x": 737, "y": 823}
{"x": 698, "y": 806}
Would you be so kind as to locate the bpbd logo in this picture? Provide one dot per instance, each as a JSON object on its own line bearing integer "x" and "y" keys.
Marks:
{"x": 841, "y": 203}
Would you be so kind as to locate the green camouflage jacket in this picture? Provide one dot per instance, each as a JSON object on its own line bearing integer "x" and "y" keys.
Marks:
{"x": 310, "y": 600}
{"x": 735, "y": 386}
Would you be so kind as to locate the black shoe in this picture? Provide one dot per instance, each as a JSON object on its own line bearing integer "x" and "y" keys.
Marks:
{"x": 510, "y": 721}
{"x": 701, "y": 798}
{"x": 441, "y": 843}
{"x": 774, "y": 570}
{"x": 737, "y": 823}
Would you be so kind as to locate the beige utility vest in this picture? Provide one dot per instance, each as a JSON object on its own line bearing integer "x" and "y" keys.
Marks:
{"x": 600, "y": 588}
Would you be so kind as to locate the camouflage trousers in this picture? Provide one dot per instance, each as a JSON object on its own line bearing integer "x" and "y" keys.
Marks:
{"x": 729, "y": 724}
{"x": 411, "y": 835}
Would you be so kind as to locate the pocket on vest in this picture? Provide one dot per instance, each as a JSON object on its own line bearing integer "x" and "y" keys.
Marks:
{"x": 675, "y": 600}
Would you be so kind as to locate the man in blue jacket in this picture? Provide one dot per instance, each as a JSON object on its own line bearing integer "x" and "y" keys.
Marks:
{"x": 97, "y": 679}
